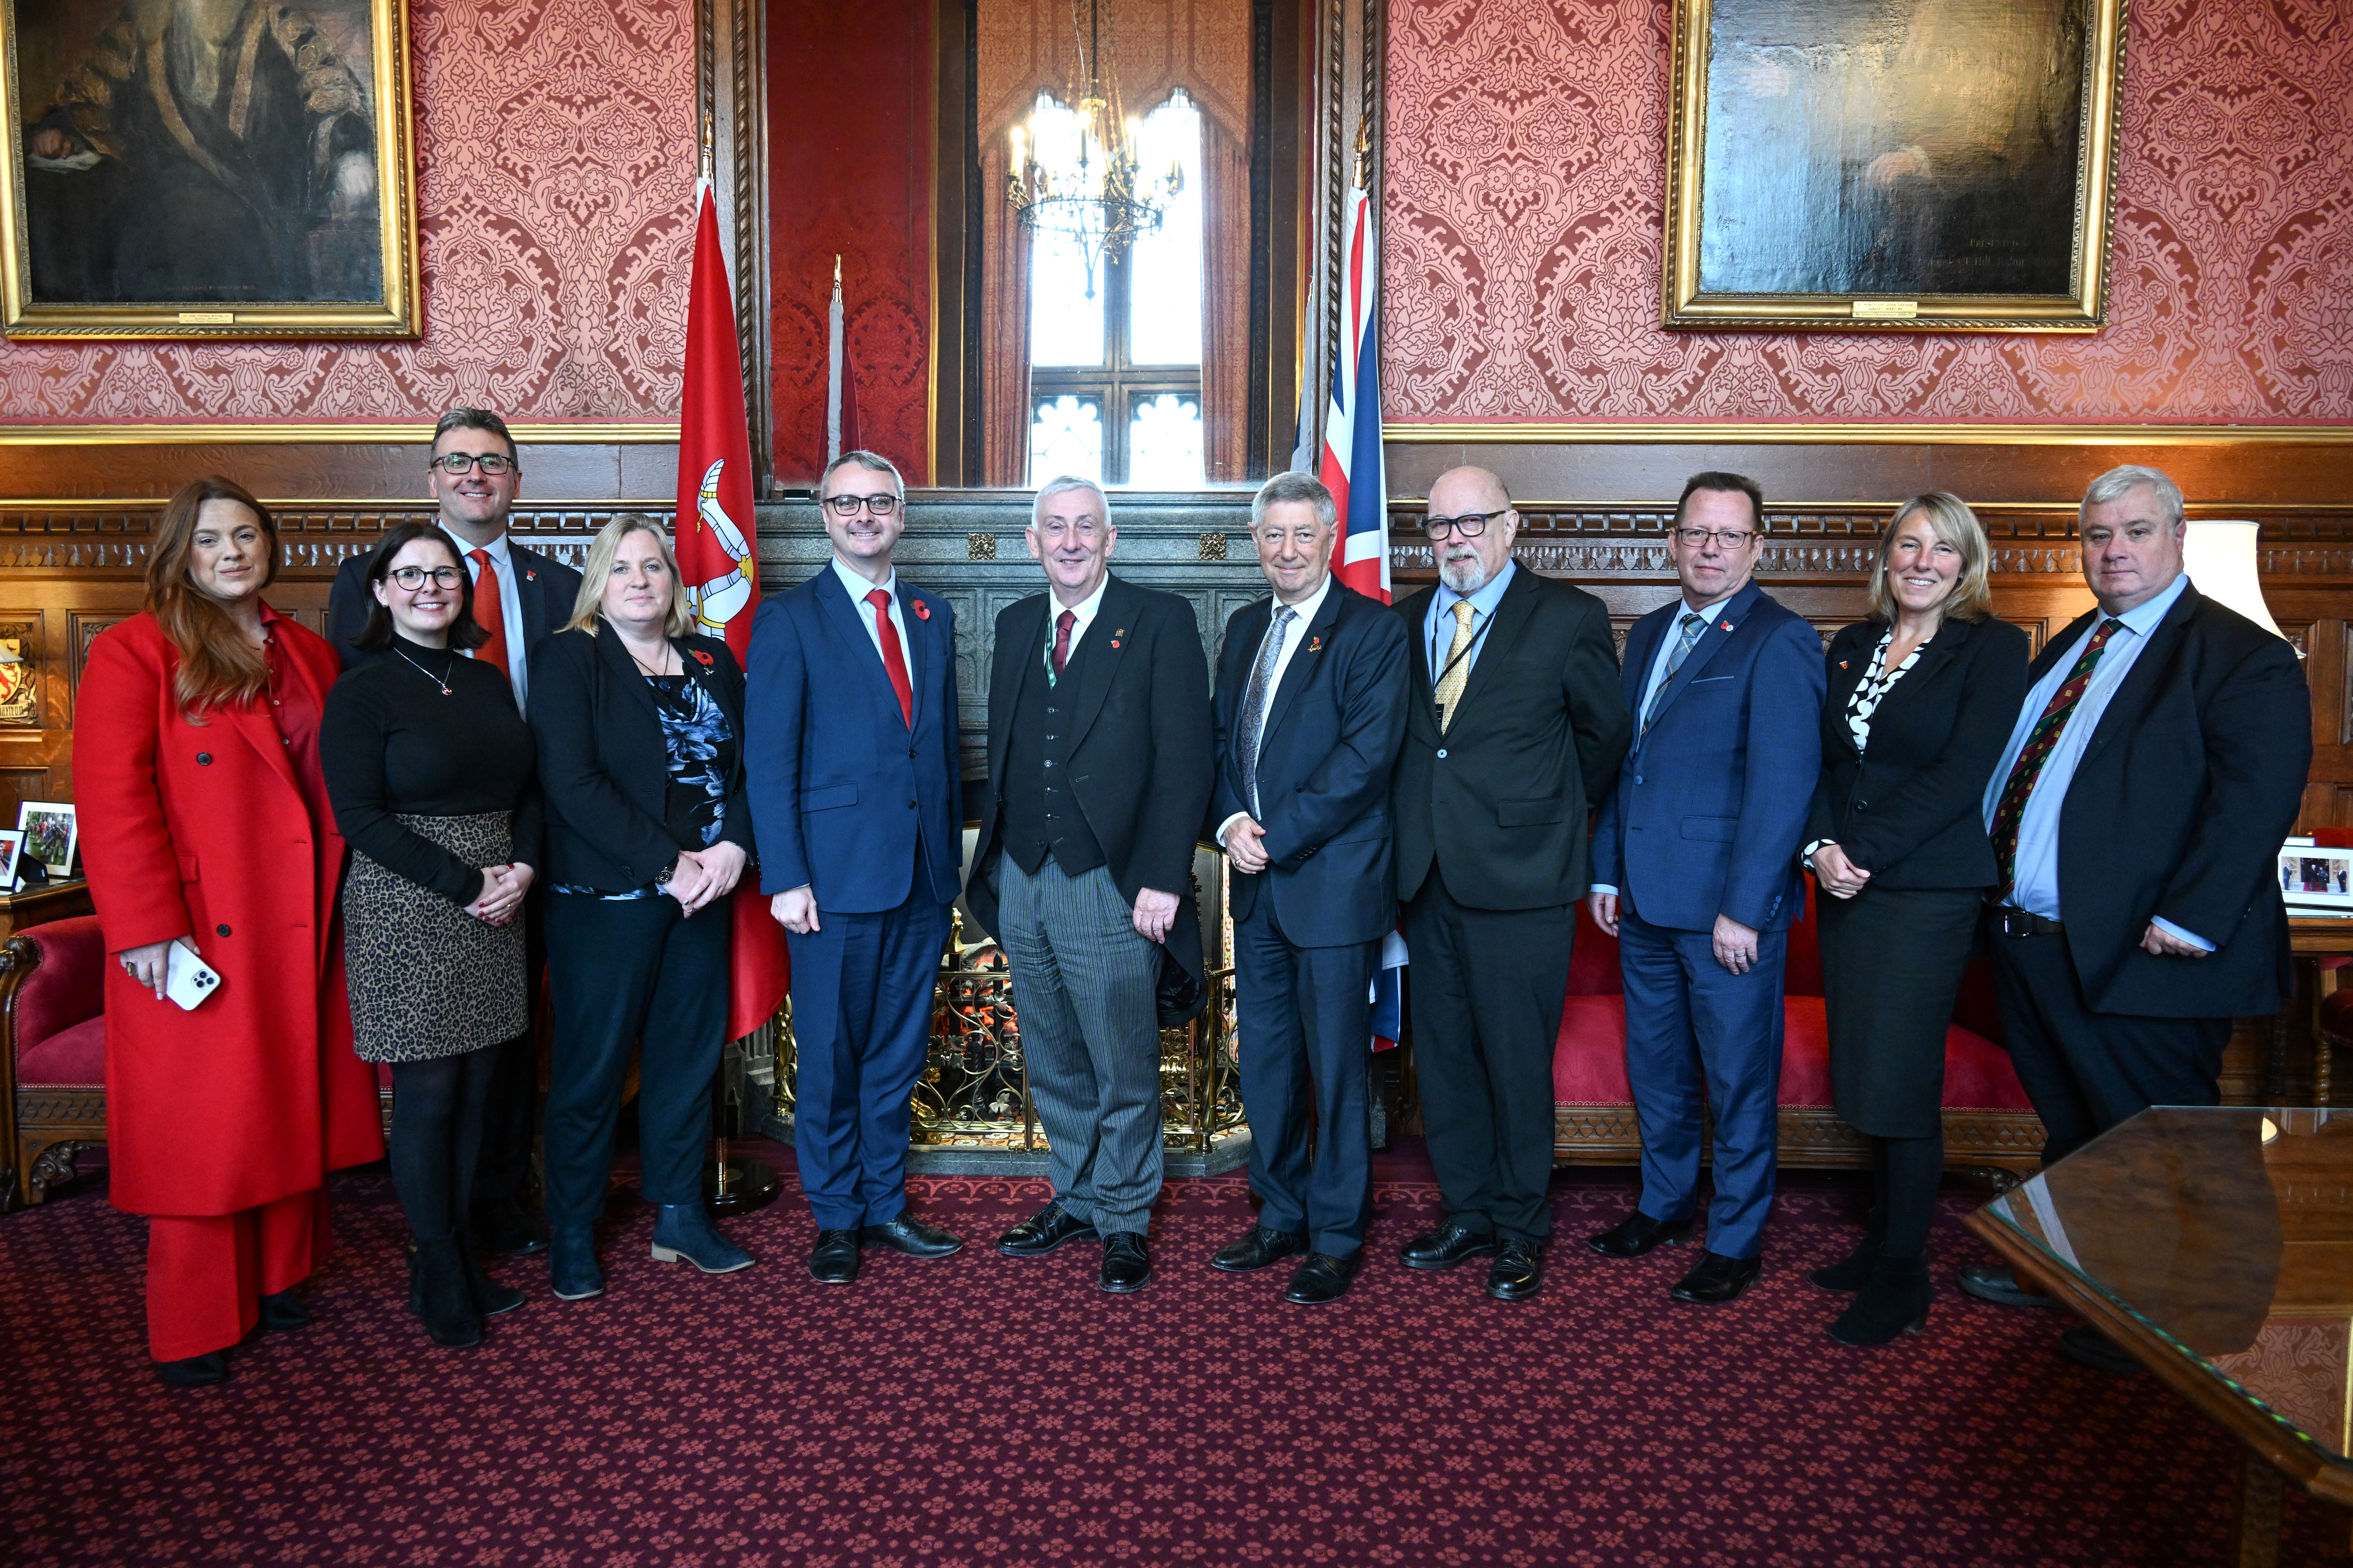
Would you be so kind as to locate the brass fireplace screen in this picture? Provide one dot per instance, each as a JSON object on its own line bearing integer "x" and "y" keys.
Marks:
{"x": 974, "y": 1090}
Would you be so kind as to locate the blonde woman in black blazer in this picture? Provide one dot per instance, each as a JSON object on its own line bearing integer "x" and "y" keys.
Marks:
{"x": 1921, "y": 699}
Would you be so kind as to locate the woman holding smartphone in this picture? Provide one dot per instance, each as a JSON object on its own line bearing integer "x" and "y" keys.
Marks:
{"x": 205, "y": 825}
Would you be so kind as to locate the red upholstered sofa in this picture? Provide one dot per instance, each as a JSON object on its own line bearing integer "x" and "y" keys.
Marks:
{"x": 52, "y": 1055}
{"x": 1989, "y": 1123}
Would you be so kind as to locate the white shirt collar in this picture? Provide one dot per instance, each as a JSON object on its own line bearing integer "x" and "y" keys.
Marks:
{"x": 1087, "y": 608}
{"x": 1306, "y": 609}
{"x": 858, "y": 587}
{"x": 497, "y": 547}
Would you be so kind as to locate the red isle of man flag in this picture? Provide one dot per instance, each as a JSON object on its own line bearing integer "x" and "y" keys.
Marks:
{"x": 717, "y": 565}
{"x": 1351, "y": 467}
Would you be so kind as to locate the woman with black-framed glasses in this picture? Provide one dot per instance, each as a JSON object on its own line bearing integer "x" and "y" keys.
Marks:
{"x": 431, "y": 770}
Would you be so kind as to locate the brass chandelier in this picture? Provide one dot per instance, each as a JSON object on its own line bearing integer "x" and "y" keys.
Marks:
{"x": 1088, "y": 189}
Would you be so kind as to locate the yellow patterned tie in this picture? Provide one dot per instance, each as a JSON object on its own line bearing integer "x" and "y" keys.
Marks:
{"x": 1457, "y": 666}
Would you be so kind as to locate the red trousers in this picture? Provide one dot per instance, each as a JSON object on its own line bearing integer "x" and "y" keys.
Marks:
{"x": 206, "y": 1275}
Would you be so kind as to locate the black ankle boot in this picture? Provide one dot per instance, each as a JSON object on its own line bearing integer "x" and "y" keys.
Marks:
{"x": 490, "y": 1297}
{"x": 1849, "y": 1272}
{"x": 1893, "y": 1300}
{"x": 441, "y": 1297}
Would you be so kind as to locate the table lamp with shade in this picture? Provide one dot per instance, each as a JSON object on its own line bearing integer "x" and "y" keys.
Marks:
{"x": 2220, "y": 557}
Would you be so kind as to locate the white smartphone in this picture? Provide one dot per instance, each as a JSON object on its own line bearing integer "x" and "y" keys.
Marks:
{"x": 188, "y": 979}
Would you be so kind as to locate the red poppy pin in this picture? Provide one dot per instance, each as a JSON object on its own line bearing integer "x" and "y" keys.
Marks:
{"x": 700, "y": 658}
{"x": 1842, "y": 664}
{"x": 1315, "y": 647}
{"x": 531, "y": 576}
{"x": 1117, "y": 635}
{"x": 923, "y": 611}
{"x": 1727, "y": 625}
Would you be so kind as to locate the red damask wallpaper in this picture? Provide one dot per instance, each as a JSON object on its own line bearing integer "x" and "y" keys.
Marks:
{"x": 556, "y": 161}
{"x": 1526, "y": 172}
{"x": 849, "y": 161}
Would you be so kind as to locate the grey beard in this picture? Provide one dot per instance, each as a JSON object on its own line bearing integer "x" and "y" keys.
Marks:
{"x": 1465, "y": 577}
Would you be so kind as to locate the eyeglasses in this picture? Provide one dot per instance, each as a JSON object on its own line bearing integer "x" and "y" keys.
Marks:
{"x": 1729, "y": 538}
{"x": 491, "y": 463}
{"x": 847, "y": 506}
{"x": 1470, "y": 525}
{"x": 414, "y": 577}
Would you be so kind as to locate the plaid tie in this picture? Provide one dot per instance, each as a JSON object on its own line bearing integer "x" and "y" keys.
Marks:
{"x": 1254, "y": 700}
{"x": 1693, "y": 625}
{"x": 2010, "y": 810}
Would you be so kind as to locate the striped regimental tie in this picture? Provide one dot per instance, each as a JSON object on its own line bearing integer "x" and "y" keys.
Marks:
{"x": 2010, "y": 810}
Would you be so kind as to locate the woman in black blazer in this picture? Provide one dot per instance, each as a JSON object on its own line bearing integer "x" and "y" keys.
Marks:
{"x": 1921, "y": 699}
{"x": 639, "y": 727}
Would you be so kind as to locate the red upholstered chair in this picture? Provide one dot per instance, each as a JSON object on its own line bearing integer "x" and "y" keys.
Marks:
{"x": 1988, "y": 1122}
{"x": 52, "y": 1055}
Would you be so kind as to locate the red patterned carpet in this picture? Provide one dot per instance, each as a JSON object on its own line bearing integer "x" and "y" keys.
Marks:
{"x": 982, "y": 1411}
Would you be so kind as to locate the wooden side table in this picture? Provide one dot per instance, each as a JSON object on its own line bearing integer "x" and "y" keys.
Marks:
{"x": 39, "y": 906}
{"x": 2311, "y": 938}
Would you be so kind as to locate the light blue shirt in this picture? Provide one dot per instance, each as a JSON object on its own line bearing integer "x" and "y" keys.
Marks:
{"x": 2036, "y": 889}
{"x": 1667, "y": 646}
{"x": 1437, "y": 625}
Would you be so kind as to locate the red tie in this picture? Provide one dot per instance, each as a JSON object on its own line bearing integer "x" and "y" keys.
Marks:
{"x": 490, "y": 612}
{"x": 893, "y": 660}
{"x": 1063, "y": 624}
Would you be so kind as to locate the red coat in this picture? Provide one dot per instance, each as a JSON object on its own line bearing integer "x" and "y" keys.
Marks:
{"x": 202, "y": 830}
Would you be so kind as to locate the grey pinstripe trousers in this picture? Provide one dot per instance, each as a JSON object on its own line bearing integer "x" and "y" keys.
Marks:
{"x": 1085, "y": 986}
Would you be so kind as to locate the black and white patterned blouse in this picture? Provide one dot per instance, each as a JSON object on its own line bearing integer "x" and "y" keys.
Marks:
{"x": 1872, "y": 688}
{"x": 701, "y": 746}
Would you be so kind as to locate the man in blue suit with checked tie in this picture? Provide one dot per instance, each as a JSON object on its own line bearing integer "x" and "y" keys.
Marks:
{"x": 1695, "y": 872}
{"x": 852, "y": 759}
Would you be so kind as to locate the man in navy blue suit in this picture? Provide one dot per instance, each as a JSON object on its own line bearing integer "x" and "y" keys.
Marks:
{"x": 1695, "y": 872}
{"x": 850, "y": 752}
{"x": 1310, "y": 716}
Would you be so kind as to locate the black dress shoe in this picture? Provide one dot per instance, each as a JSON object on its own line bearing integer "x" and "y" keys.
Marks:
{"x": 1994, "y": 1282}
{"x": 1893, "y": 1300}
{"x": 1126, "y": 1264}
{"x": 905, "y": 1233}
{"x": 1518, "y": 1270}
{"x": 507, "y": 1228}
{"x": 196, "y": 1371}
{"x": 283, "y": 1313}
{"x": 1717, "y": 1280}
{"x": 1636, "y": 1234}
{"x": 1321, "y": 1277}
{"x": 2086, "y": 1346}
{"x": 1448, "y": 1246}
{"x": 1259, "y": 1248}
{"x": 1044, "y": 1231}
{"x": 835, "y": 1259}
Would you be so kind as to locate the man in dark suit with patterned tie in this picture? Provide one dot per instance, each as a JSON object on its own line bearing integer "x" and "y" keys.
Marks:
{"x": 2156, "y": 766}
{"x": 849, "y": 753}
{"x": 1514, "y": 728}
{"x": 1099, "y": 764}
{"x": 520, "y": 596}
{"x": 1310, "y": 715}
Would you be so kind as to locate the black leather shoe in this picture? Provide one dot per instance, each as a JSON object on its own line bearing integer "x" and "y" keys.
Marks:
{"x": 196, "y": 1371}
{"x": 1994, "y": 1282}
{"x": 283, "y": 1313}
{"x": 1518, "y": 1270}
{"x": 508, "y": 1229}
{"x": 1259, "y": 1248}
{"x": 1126, "y": 1264}
{"x": 835, "y": 1259}
{"x": 1852, "y": 1272}
{"x": 1321, "y": 1277}
{"x": 2086, "y": 1346}
{"x": 905, "y": 1233}
{"x": 1637, "y": 1234}
{"x": 1446, "y": 1246}
{"x": 1044, "y": 1231}
{"x": 1893, "y": 1300}
{"x": 1717, "y": 1280}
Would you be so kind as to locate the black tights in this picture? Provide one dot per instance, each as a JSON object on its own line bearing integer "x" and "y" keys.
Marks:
{"x": 1907, "y": 1172}
{"x": 437, "y": 1137}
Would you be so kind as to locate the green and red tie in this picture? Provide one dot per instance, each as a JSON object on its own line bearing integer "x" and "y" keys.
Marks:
{"x": 2010, "y": 810}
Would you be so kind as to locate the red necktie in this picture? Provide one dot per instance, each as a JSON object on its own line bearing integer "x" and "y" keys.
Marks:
{"x": 1063, "y": 624}
{"x": 490, "y": 612}
{"x": 893, "y": 660}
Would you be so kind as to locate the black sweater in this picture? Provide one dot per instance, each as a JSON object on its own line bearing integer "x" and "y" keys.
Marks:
{"x": 392, "y": 745}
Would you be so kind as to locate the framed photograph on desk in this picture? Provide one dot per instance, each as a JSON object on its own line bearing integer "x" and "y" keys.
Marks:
{"x": 2316, "y": 880}
{"x": 51, "y": 834}
{"x": 12, "y": 844}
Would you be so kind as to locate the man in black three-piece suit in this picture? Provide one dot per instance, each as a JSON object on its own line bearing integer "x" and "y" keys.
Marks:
{"x": 1514, "y": 728}
{"x": 1310, "y": 714}
{"x": 520, "y": 597}
{"x": 1098, "y": 762}
{"x": 2157, "y": 764}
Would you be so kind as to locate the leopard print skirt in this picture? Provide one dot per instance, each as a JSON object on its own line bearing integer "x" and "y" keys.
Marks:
{"x": 427, "y": 979}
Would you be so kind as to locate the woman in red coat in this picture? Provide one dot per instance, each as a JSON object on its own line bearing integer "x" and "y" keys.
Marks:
{"x": 204, "y": 822}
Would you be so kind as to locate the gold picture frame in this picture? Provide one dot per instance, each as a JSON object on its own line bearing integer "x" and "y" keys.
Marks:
{"x": 1892, "y": 164}
{"x": 200, "y": 169}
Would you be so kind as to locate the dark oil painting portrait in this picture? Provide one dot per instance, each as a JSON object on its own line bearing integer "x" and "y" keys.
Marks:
{"x": 197, "y": 153}
{"x": 1900, "y": 149}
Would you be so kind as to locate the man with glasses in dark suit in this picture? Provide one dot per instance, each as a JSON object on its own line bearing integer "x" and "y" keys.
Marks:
{"x": 520, "y": 597}
{"x": 1514, "y": 728}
